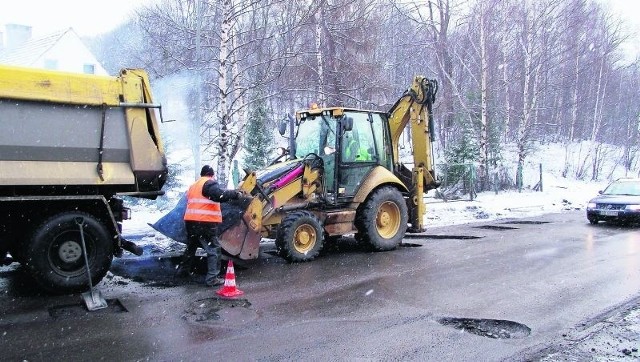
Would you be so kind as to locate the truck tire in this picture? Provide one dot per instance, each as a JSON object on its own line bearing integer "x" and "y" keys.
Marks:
{"x": 54, "y": 254}
{"x": 299, "y": 237}
{"x": 381, "y": 220}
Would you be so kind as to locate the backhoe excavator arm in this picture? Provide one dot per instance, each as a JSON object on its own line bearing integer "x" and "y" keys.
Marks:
{"x": 414, "y": 109}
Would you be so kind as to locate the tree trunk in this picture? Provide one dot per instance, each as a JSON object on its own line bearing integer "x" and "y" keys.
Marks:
{"x": 524, "y": 120}
{"x": 322, "y": 100}
{"x": 196, "y": 124}
{"x": 568, "y": 154}
{"x": 597, "y": 118}
{"x": 224, "y": 137}
{"x": 444, "y": 69}
{"x": 484, "y": 121}
{"x": 507, "y": 89}
{"x": 240, "y": 103}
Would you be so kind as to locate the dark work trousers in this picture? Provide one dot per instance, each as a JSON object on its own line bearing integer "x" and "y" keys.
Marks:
{"x": 205, "y": 236}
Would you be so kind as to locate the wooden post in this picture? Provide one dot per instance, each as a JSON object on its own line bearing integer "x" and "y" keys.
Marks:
{"x": 540, "y": 182}
{"x": 472, "y": 186}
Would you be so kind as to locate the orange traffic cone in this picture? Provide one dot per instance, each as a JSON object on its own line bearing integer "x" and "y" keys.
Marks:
{"x": 229, "y": 289}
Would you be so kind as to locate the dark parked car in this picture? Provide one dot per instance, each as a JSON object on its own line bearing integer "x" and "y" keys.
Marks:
{"x": 619, "y": 202}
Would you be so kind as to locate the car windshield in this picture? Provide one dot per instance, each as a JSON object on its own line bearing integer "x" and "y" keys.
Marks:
{"x": 623, "y": 188}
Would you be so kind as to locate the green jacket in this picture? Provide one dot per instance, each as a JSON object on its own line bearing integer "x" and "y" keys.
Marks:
{"x": 356, "y": 152}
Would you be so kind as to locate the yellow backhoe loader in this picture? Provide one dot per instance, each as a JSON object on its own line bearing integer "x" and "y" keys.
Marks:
{"x": 343, "y": 176}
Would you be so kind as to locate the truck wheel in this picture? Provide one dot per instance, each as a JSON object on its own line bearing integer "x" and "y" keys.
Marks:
{"x": 299, "y": 237}
{"x": 593, "y": 220}
{"x": 54, "y": 254}
{"x": 381, "y": 220}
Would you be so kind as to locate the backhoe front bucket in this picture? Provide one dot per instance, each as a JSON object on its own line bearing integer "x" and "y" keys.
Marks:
{"x": 243, "y": 238}
{"x": 239, "y": 231}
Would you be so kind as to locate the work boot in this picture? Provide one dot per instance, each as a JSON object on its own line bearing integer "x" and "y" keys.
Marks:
{"x": 131, "y": 247}
{"x": 183, "y": 272}
{"x": 215, "y": 282}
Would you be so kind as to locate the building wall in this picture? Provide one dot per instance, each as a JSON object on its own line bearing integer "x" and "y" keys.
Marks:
{"x": 71, "y": 55}
{"x": 62, "y": 51}
{"x": 16, "y": 35}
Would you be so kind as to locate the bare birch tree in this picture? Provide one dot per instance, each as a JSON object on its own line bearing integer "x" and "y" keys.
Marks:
{"x": 228, "y": 33}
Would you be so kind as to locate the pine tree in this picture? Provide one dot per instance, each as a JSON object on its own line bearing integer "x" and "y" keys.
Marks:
{"x": 461, "y": 157}
{"x": 465, "y": 150}
{"x": 258, "y": 140}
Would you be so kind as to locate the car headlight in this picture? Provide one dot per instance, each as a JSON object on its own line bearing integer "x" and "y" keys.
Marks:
{"x": 591, "y": 205}
{"x": 632, "y": 207}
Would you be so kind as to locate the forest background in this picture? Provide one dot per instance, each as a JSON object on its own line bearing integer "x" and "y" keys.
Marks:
{"x": 513, "y": 75}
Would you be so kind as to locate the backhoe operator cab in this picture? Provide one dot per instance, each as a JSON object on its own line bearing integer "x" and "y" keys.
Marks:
{"x": 354, "y": 140}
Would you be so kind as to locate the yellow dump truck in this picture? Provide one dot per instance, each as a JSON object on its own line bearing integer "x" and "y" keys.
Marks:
{"x": 70, "y": 146}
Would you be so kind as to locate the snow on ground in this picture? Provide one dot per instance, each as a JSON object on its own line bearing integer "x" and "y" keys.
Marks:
{"x": 556, "y": 197}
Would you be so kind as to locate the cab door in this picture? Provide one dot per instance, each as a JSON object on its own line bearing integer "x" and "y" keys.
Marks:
{"x": 359, "y": 152}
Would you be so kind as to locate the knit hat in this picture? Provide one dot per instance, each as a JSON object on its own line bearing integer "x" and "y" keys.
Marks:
{"x": 206, "y": 171}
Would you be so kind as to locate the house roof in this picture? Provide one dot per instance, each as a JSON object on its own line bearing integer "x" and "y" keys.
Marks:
{"x": 28, "y": 53}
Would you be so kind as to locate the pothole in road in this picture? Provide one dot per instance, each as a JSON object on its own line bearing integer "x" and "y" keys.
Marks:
{"x": 439, "y": 236}
{"x": 526, "y": 222}
{"x": 492, "y": 328}
{"x": 80, "y": 310}
{"x": 496, "y": 227}
{"x": 410, "y": 245}
{"x": 219, "y": 309}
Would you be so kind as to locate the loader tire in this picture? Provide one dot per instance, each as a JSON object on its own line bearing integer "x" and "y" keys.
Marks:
{"x": 54, "y": 254}
{"x": 381, "y": 220}
{"x": 299, "y": 237}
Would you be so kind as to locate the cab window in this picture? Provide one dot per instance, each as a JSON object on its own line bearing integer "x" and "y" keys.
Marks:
{"x": 357, "y": 144}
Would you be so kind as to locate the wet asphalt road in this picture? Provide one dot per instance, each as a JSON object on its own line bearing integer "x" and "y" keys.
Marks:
{"x": 487, "y": 291}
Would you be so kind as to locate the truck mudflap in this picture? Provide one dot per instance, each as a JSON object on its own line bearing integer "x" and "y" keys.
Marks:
{"x": 239, "y": 231}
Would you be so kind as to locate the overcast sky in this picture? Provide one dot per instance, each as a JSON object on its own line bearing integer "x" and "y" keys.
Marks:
{"x": 86, "y": 17}
{"x": 91, "y": 17}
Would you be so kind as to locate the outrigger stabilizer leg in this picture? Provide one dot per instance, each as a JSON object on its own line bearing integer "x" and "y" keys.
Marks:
{"x": 93, "y": 298}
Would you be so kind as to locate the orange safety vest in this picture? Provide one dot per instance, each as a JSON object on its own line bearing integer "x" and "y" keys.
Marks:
{"x": 200, "y": 208}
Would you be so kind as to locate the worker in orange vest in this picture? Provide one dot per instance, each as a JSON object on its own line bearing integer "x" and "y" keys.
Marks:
{"x": 202, "y": 217}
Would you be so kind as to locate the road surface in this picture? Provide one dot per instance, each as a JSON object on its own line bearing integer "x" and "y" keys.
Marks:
{"x": 543, "y": 288}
